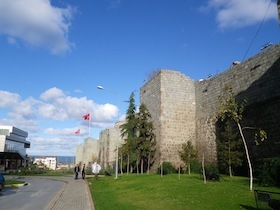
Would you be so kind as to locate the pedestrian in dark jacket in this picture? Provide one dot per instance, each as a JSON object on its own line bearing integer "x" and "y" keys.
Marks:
{"x": 84, "y": 171}
{"x": 76, "y": 170}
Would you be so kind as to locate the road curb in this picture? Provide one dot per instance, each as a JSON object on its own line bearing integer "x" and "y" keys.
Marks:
{"x": 89, "y": 194}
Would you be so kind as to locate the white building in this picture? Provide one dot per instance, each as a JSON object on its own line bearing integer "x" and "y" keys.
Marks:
{"x": 49, "y": 162}
{"x": 13, "y": 145}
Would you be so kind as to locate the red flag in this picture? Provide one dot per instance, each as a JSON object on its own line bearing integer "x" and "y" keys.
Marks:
{"x": 86, "y": 117}
{"x": 77, "y": 132}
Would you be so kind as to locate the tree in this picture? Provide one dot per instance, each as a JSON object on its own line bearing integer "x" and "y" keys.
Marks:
{"x": 231, "y": 109}
{"x": 129, "y": 131}
{"x": 188, "y": 154}
{"x": 139, "y": 146}
{"x": 146, "y": 138}
{"x": 229, "y": 154}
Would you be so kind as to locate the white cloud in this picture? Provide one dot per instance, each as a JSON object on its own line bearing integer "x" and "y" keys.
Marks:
{"x": 8, "y": 99}
{"x": 241, "y": 13}
{"x": 59, "y": 106}
{"x": 55, "y": 105}
{"x": 52, "y": 146}
{"x": 105, "y": 112}
{"x": 36, "y": 23}
{"x": 77, "y": 107}
{"x": 50, "y": 111}
{"x": 52, "y": 120}
{"x": 65, "y": 131}
{"x": 52, "y": 93}
{"x": 25, "y": 109}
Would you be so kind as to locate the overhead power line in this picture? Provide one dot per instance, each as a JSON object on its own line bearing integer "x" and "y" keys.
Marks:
{"x": 257, "y": 31}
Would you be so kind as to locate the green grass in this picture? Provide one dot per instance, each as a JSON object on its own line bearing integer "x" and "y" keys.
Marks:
{"x": 9, "y": 182}
{"x": 169, "y": 192}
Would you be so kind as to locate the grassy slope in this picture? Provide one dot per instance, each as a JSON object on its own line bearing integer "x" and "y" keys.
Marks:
{"x": 153, "y": 192}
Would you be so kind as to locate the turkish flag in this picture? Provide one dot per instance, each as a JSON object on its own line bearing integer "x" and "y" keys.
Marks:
{"x": 86, "y": 117}
{"x": 78, "y": 132}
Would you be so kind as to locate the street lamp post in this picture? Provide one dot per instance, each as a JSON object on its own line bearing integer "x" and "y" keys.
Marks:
{"x": 117, "y": 146}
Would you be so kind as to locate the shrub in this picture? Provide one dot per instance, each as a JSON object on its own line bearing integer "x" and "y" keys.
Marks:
{"x": 63, "y": 171}
{"x": 107, "y": 171}
{"x": 167, "y": 168}
{"x": 268, "y": 172}
{"x": 195, "y": 167}
{"x": 212, "y": 172}
{"x": 31, "y": 170}
{"x": 88, "y": 171}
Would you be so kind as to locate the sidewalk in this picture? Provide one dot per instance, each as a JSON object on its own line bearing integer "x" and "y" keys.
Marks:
{"x": 75, "y": 194}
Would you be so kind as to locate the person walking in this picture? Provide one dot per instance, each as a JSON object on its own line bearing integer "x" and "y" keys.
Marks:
{"x": 76, "y": 170}
{"x": 84, "y": 171}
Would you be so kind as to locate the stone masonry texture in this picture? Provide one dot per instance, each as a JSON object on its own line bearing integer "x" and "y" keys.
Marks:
{"x": 170, "y": 98}
{"x": 103, "y": 150}
{"x": 86, "y": 152}
{"x": 186, "y": 110}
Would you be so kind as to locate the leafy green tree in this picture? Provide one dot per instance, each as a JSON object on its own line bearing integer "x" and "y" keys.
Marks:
{"x": 188, "y": 154}
{"x": 231, "y": 109}
{"x": 229, "y": 154}
{"x": 129, "y": 132}
{"x": 146, "y": 138}
{"x": 139, "y": 146}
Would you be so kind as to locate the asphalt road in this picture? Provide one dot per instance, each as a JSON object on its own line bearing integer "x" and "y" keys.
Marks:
{"x": 36, "y": 195}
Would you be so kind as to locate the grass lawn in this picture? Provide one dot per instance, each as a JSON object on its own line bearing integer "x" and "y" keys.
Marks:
{"x": 169, "y": 192}
{"x": 10, "y": 182}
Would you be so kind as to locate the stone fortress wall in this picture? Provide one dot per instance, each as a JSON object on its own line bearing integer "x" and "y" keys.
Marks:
{"x": 183, "y": 109}
{"x": 186, "y": 110}
{"x": 256, "y": 79}
{"x": 103, "y": 150}
{"x": 86, "y": 151}
{"x": 108, "y": 141}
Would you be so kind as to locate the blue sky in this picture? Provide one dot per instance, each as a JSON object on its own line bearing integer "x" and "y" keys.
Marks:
{"x": 53, "y": 55}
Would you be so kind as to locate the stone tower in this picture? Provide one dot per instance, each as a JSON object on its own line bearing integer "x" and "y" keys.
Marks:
{"x": 170, "y": 98}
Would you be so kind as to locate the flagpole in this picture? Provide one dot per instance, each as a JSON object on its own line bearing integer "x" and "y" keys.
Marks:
{"x": 89, "y": 125}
